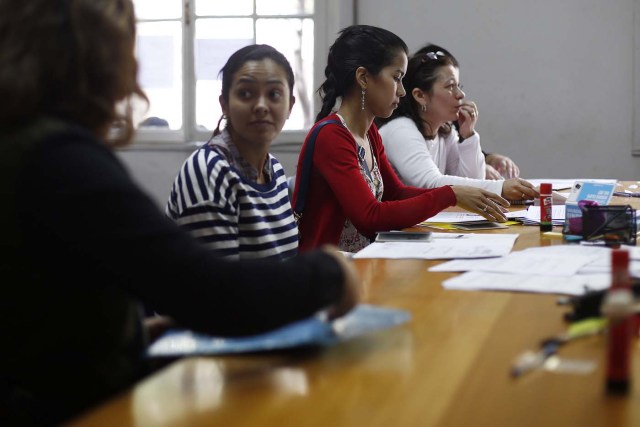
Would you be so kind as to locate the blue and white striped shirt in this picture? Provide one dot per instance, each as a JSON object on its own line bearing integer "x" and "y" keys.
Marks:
{"x": 218, "y": 202}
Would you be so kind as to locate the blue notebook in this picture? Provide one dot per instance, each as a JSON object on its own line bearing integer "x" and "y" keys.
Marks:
{"x": 313, "y": 331}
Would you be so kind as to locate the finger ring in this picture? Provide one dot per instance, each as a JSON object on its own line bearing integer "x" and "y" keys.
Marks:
{"x": 485, "y": 208}
{"x": 473, "y": 114}
{"x": 523, "y": 195}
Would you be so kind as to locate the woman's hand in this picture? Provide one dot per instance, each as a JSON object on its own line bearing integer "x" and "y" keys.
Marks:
{"x": 352, "y": 286}
{"x": 157, "y": 325}
{"x": 519, "y": 189}
{"x": 490, "y": 172}
{"x": 504, "y": 165}
{"x": 467, "y": 118}
{"x": 485, "y": 203}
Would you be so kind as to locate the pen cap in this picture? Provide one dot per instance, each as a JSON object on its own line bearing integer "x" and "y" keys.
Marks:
{"x": 620, "y": 269}
{"x": 545, "y": 188}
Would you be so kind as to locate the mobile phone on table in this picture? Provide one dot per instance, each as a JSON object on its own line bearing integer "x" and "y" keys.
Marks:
{"x": 404, "y": 236}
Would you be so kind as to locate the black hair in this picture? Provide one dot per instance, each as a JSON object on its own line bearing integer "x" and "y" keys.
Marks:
{"x": 422, "y": 73}
{"x": 254, "y": 52}
{"x": 357, "y": 46}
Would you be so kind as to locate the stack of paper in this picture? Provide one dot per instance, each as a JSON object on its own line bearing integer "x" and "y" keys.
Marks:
{"x": 560, "y": 269}
{"x": 469, "y": 221}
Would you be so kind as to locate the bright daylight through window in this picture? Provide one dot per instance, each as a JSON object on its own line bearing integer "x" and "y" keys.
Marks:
{"x": 183, "y": 44}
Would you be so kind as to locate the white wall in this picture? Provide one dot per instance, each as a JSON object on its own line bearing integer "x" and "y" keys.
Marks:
{"x": 553, "y": 79}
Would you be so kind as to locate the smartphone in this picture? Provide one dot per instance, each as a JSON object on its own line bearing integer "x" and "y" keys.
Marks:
{"x": 404, "y": 236}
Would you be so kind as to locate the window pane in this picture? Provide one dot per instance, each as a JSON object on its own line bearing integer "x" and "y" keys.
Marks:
{"x": 224, "y": 7}
{"x": 284, "y": 7}
{"x": 159, "y": 51}
{"x": 216, "y": 40}
{"x": 294, "y": 38}
{"x": 158, "y": 9}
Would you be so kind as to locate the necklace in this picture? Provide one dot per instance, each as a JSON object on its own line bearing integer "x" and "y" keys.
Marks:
{"x": 431, "y": 143}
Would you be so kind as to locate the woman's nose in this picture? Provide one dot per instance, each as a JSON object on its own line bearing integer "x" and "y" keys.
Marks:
{"x": 261, "y": 105}
{"x": 401, "y": 90}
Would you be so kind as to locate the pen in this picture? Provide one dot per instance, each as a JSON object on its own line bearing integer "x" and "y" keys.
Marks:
{"x": 623, "y": 194}
{"x": 449, "y": 236}
{"x": 531, "y": 360}
{"x": 596, "y": 243}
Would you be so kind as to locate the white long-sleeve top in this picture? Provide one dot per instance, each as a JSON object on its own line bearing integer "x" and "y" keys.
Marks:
{"x": 425, "y": 163}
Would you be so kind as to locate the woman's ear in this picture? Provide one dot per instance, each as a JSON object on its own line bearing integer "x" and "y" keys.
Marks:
{"x": 420, "y": 96}
{"x": 362, "y": 76}
{"x": 223, "y": 105}
{"x": 292, "y": 102}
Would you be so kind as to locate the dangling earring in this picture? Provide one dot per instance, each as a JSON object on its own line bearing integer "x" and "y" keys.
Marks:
{"x": 362, "y": 101}
{"x": 424, "y": 108}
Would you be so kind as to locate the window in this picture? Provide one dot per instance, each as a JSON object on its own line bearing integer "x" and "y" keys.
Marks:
{"x": 182, "y": 44}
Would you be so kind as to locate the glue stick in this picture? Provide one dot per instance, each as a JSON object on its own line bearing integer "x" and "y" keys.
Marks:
{"x": 618, "y": 307}
{"x": 546, "y": 207}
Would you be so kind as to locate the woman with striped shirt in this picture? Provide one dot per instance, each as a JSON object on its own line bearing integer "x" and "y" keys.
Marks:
{"x": 231, "y": 193}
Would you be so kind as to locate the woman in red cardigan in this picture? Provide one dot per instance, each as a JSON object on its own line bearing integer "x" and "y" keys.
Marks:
{"x": 353, "y": 191}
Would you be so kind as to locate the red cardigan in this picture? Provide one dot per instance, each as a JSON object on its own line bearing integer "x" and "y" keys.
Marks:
{"x": 338, "y": 191}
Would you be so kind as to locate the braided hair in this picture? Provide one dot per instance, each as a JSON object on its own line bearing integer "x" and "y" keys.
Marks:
{"x": 357, "y": 46}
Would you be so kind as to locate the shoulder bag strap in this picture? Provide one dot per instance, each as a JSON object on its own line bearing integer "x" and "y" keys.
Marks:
{"x": 307, "y": 163}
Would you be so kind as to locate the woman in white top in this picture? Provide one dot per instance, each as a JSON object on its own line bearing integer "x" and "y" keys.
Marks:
{"x": 420, "y": 140}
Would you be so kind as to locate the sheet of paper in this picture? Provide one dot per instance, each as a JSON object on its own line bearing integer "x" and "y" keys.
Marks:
{"x": 444, "y": 246}
{"x": 602, "y": 262}
{"x": 634, "y": 251}
{"x": 557, "y": 214}
{"x": 517, "y": 214}
{"x": 156, "y": 59}
{"x": 603, "y": 266}
{"x": 450, "y": 217}
{"x": 212, "y": 54}
{"x": 574, "y": 285}
{"x": 521, "y": 262}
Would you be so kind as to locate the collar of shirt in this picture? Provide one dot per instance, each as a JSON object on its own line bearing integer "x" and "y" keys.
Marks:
{"x": 223, "y": 145}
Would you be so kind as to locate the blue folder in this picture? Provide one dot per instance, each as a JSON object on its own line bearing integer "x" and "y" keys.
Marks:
{"x": 313, "y": 331}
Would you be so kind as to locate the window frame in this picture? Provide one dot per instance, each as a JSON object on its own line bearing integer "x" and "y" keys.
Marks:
{"x": 329, "y": 17}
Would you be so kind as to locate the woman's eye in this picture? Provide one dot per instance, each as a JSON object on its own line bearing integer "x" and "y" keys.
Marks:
{"x": 243, "y": 93}
{"x": 275, "y": 95}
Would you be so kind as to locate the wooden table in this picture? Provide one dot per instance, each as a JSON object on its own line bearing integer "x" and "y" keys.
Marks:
{"x": 448, "y": 367}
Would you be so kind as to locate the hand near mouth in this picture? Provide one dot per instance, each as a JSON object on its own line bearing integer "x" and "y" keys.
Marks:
{"x": 467, "y": 117}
